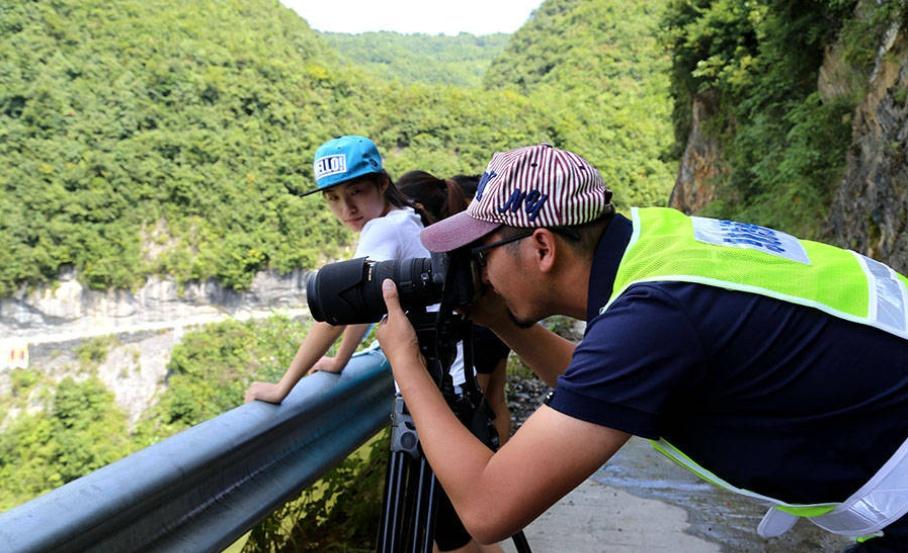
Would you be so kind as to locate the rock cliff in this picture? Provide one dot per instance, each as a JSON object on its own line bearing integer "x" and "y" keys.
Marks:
{"x": 68, "y": 309}
{"x": 701, "y": 165}
{"x": 869, "y": 212}
{"x": 142, "y": 327}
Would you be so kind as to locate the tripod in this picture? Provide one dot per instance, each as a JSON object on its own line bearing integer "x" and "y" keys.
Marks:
{"x": 411, "y": 491}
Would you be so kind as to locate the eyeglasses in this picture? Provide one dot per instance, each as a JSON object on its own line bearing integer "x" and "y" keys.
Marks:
{"x": 480, "y": 253}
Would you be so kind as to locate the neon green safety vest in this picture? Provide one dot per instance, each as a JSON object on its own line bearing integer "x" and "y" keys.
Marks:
{"x": 667, "y": 245}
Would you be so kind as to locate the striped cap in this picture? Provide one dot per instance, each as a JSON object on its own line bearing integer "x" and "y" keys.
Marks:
{"x": 536, "y": 186}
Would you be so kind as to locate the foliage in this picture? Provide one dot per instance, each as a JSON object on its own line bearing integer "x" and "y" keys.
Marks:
{"x": 83, "y": 431}
{"x": 211, "y": 367}
{"x": 167, "y": 137}
{"x": 170, "y": 137}
{"x": 93, "y": 351}
{"x": 600, "y": 70}
{"x": 420, "y": 58}
{"x": 784, "y": 142}
{"x": 340, "y": 513}
{"x": 22, "y": 380}
{"x": 120, "y": 117}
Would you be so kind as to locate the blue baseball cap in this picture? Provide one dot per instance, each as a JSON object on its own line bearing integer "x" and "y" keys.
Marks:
{"x": 342, "y": 159}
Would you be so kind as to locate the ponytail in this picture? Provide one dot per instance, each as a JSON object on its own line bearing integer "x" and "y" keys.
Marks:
{"x": 396, "y": 198}
{"x": 457, "y": 200}
{"x": 440, "y": 198}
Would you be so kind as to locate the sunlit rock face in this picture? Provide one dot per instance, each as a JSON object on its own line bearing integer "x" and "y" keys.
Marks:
{"x": 701, "y": 166}
{"x": 69, "y": 308}
{"x": 140, "y": 327}
{"x": 869, "y": 212}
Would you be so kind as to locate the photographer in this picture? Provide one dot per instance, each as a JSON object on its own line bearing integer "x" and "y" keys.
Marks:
{"x": 441, "y": 199}
{"x": 360, "y": 193}
{"x": 772, "y": 366}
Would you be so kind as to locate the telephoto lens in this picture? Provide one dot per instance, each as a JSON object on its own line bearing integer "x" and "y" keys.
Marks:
{"x": 349, "y": 292}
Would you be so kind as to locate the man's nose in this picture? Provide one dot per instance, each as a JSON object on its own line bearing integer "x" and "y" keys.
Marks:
{"x": 349, "y": 205}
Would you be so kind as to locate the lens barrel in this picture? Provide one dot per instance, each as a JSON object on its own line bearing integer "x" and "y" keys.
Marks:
{"x": 349, "y": 292}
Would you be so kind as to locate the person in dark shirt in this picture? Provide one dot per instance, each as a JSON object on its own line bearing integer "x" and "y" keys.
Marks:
{"x": 770, "y": 366}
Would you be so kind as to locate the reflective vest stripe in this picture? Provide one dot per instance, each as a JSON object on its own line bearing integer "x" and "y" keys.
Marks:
{"x": 678, "y": 456}
{"x": 877, "y": 504}
{"x": 888, "y": 296}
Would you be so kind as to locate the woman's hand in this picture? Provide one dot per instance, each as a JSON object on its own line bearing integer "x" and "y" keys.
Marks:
{"x": 395, "y": 333}
{"x": 325, "y": 364}
{"x": 265, "y": 391}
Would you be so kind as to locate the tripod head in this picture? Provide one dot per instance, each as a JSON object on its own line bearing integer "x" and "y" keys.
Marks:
{"x": 439, "y": 332}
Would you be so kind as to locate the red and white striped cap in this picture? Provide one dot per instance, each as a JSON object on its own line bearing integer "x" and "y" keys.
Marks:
{"x": 535, "y": 186}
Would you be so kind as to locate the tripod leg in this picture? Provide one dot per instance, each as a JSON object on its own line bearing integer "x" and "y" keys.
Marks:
{"x": 521, "y": 543}
{"x": 408, "y": 521}
{"x": 426, "y": 504}
{"x": 391, "y": 531}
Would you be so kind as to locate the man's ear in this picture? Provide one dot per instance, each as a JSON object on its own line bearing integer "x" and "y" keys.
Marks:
{"x": 544, "y": 249}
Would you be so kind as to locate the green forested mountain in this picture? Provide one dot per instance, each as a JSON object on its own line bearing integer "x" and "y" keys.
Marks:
{"x": 162, "y": 136}
{"x": 142, "y": 137}
{"x": 599, "y": 68}
{"x": 155, "y": 136}
{"x": 459, "y": 60}
{"x": 169, "y": 137}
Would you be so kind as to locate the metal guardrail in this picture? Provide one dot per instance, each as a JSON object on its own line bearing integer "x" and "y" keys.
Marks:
{"x": 203, "y": 488}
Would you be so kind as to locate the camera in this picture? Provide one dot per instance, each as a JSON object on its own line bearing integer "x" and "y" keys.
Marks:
{"x": 430, "y": 290}
{"x": 349, "y": 292}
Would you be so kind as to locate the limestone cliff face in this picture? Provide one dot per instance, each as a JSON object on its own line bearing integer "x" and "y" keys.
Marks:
{"x": 701, "y": 165}
{"x": 143, "y": 327}
{"x": 869, "y": 212}
{"x": 70, "y": 309}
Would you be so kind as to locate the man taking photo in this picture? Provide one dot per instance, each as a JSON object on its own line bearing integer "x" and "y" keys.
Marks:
{"x": 771, "y": 366}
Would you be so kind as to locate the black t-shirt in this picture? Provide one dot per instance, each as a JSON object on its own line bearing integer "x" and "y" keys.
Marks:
{"x": 488, "y": 350}
{"x": 777, "y": 398}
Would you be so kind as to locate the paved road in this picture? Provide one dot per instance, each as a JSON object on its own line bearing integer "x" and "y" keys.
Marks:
{"x": 595, "y": 517}
{"x": 642, "y": 503}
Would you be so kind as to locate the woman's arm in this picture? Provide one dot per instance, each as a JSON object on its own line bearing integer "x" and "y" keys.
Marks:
{"x": 353, "y": 336}
{"x": 314, "y": 346}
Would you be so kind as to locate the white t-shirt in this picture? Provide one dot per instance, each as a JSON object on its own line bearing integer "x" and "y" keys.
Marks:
{"x": 395, "y": 235}
{"x": 392, "y": 236}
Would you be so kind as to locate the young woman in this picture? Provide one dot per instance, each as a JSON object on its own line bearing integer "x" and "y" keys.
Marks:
{"x": 441, "y": 199}
{"x": 360, "y": 193}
